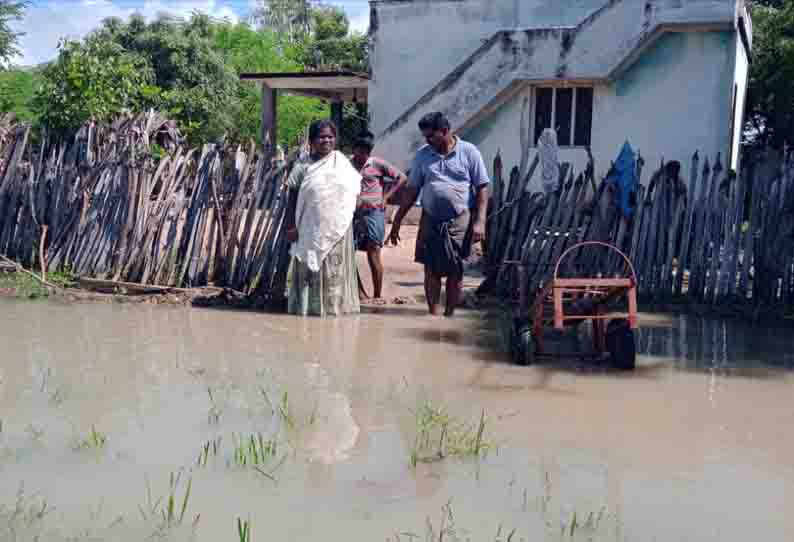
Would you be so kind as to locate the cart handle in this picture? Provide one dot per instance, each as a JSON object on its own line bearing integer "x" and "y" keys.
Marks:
{"x": 596, "y": 243}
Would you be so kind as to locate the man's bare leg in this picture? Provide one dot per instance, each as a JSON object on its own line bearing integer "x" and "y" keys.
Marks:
{"x": 454, "y": 290}
{"x": 376, "y": 266}
{"x": 362, "y": 292}
{"x": 433, "y": 292}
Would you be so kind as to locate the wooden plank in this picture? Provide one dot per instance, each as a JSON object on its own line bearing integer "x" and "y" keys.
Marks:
{"x": 675, "y": 225}
{"x": 551, "y": 233}
{"x": 711, "y": 243}
{"x": 749, "y": 238}
{"x": 731, "y": 223}
{"x": 659, "y": 233}
{"x": 569, "y": 219}
{"x": 592, "y": 282}
{"x": 269, "y": 119}
{"x": 691, "y": 199}
{"x": 113, "y": 286}
{"x": 697, "y": 278}
{"x": 492, "y": 225}
{"x": 643, "y": 260}
{"x": 505, "y": 219}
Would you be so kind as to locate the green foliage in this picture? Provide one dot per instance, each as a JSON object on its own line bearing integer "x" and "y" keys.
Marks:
{"x": 23, "y": 285}
{"x": 253, "y": 450}
{"x": 168, "y": 64}
{"x": 171, "y": 513}
{"x": 440, "y": 435}
{"x": 331, "y": 44}
{"x": 190, "y": 75}
{"x": 95, "y": 79}
{"x": 244, "y": 530}
{"x": 17, "y": 88}
{"x": 319, "y": 36}
{"x": 95, "y": 440}
{"x": 189, "y": 69}
{"x": 249, "y": 50}
{"x": 292, "y": 18}
{"x": 10, "y": 12}
{"x": 770, "y": 106}
{"x": 329, "y": 22}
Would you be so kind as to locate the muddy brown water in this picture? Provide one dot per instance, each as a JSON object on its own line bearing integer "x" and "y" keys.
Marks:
{"x": 695, "y": 445}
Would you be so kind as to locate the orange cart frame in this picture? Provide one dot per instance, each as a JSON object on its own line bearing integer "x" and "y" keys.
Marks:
{"x": 563, "y": 302}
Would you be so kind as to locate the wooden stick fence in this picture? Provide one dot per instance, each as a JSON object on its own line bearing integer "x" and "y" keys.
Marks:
{"x": 714, "y": 238}
{"x": 128, "y": 202}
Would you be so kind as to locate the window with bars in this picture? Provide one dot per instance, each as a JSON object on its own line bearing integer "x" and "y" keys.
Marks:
{"x": 569, "y": 110}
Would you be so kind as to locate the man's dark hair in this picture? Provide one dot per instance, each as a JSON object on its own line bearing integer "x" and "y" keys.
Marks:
{"x": 317, "y": 126}
{"x": 434, "y": 121}
{"x": 364, "y": 140}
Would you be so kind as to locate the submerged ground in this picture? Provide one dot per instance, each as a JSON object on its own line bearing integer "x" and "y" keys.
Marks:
{"x": 100, "y": 404}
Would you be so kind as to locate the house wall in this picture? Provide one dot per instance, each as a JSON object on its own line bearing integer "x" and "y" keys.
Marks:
{"x": 674, "y": 100}
{"x": 416, "y": 43}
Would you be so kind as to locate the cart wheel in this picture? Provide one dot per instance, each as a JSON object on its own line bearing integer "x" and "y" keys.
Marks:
{"x": 620, "y": 345}
{"x": 522, "y": 344}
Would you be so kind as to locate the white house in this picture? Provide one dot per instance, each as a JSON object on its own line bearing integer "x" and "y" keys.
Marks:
{"x": 669, "y": 76}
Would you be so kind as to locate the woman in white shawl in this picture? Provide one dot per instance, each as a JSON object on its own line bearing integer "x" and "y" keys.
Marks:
{"x": 324, "y": 188}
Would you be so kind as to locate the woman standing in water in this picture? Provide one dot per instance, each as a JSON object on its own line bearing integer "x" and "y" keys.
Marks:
{"x": 324, "y": 189}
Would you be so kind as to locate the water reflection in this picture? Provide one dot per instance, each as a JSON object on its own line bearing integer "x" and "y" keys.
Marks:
{"x": 674, "y": 450}
{"x": 725, "y": 347}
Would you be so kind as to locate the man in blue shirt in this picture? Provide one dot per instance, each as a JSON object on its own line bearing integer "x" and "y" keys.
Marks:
{"x": 454, "y": 184}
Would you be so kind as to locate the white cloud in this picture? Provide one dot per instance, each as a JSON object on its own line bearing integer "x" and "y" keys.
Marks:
{"x": 184, "y": 8}
{"x": 357, "y": 13}
{"x": 45, "y": 24}
{"x": 360, "y": 22}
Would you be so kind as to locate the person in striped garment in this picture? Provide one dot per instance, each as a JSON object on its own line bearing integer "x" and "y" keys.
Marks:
{"x": 380, "y": 181}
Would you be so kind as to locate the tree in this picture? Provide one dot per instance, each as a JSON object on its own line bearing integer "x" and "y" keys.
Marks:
{"x": 329, "y": 22}
{"x": 332, "y": 44}
{"x": 10, "y": 11}
{"x": 291, "y": 18}
{"x": 248, "y": 50}
{"x": 168, "y": 64}
{"x": 96, "y": 80}
{"x": 322, "y": 41}
{"x": 770, "y": 107}
{"x": 195, "y": 85}
{"x": 189, "y": 69}
{"x": 320, "y": 32}
{"x": 17, "y": 88}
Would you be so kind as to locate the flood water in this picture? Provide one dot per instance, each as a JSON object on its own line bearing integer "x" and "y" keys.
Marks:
{"x": 697, "y": 444}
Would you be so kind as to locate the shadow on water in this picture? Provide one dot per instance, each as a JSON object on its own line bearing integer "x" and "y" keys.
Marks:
{"x": 686, "y": 343}
{"x": 682, "y": 343}
{"x": 485, "y": 342}
{"x": 414, "y": 310}
{"x": 489, "y": 347}
{"x": 729, "y": 347}
{"x": 409, "y": 284}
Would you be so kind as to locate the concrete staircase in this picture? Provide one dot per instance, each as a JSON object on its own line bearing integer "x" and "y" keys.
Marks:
{"x": 595, "y": 51}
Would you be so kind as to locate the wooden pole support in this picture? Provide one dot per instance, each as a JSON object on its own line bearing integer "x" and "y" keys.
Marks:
{"x": 558, "y": 320}
{"x": 269, "y": 119}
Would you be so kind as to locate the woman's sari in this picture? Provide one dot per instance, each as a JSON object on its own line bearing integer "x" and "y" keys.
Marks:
{"x": 322, "y": 279}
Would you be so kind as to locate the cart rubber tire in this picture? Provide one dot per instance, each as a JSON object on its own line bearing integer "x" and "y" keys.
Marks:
{"x": 621, "y": 345}
{"x": 522, "y": 343}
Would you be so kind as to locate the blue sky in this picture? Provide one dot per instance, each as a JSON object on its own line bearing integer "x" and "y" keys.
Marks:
{"x": 47, "y": 21}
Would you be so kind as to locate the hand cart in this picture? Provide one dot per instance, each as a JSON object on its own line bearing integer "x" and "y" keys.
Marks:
{"x": 565, "y": 302}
